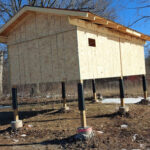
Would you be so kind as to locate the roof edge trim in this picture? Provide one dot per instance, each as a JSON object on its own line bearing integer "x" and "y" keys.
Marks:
{"x": 57, "y": 11}
{"x": 42, "y": 10}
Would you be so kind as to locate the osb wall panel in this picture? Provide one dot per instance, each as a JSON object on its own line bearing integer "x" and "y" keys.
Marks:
{"x": 38, "y": 25}
{"x": 21, "y": 63}
{"x": 45, "y": 63}
{"x": 14, "y": 59}
{"x": 103, "y": 61}
{"x": 43, "y": 48}
{"x": 71, "y": 59}
{"x": 133, "y": 62}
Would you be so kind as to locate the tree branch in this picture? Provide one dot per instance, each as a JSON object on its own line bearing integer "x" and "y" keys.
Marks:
{"x": 143, "y": 17}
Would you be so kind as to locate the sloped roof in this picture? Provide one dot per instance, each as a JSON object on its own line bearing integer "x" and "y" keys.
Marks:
{"x": 85, "y": 15}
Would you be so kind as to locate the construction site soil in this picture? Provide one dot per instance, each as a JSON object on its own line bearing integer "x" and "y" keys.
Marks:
{"x": 47, "y": 128}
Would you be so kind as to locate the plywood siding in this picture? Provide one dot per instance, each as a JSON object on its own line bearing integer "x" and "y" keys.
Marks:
{"x": 103, "y": 61}
{"x": 14, "y": 59}
{"x": 46, "y": 48}
{"x": 43, "y": 48}
{"x": 133, "y": 62}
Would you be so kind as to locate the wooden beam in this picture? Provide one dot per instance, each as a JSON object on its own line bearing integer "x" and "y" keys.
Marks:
{"x": 91, "y": 17}
{"x": 120, "y": 32}
{"x": 121, "y": 28}
{"x": 100, "y": 21}
{"x": 145, "y": 37}
{"x": 58, "y": 11}
{"x": 109, "y": 24}
{"x": 3, "y": 39}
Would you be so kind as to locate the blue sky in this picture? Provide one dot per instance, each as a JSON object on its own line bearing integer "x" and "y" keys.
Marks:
{"x": 127, "y": 15}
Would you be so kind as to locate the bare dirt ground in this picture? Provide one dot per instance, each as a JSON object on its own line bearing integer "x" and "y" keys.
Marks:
{"x": 45, "y": 128}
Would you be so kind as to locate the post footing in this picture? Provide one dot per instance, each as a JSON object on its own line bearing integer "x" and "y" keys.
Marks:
{"x": 96, "y": 101}
{"x": 99, "y": 96}
{"x": 65, "y": 109}
{"x": 16, "y": 124}
{"x": 84, "y": 133}
{"x": 145, "y": 101}
{"x": 123, "y": 110}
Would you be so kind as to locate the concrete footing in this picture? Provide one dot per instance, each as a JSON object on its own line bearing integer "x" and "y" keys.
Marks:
{"x": 84, "y": 133}
{"x": 123, "y": 110}
{"x": 16, "y": 124}
{"x": 145, "y": 101}
{"x": 96, "y": 101}
{"x": 98, "y": 98}
{"x": 65, "y": 109}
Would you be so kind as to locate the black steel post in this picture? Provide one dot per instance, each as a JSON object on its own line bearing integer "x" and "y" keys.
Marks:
{"x": 64, "y": 95}
{"x": 15, "y": 104}
{"x": 144, "y": 86}
{"x": 93, "y": 86}
{"x": 63, "y": 90}
{"x": 81, "y": 104}
{"x": 121, "y": 86}
{"x": 14, "y": 98}
{"x": 94, "y": 90}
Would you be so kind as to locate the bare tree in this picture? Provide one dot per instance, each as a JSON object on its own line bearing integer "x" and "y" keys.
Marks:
{"x": 141, "y": 8}
{"x": 8, "y": 8}
{"x": 141, "y": 15}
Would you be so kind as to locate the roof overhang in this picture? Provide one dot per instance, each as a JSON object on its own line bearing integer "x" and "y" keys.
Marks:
{"x": 113, "y": 25}
{"x": 71, "y": 13}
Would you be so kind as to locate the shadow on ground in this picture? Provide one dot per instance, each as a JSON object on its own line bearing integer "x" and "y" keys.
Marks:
{"x": 62, "y": 142}
{"x": 7, "y": 117}
{"x": 112, "y": 115}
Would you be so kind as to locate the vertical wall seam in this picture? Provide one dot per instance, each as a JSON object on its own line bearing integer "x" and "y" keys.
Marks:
{"x": 121, "y": 66}
{"x": 78, "y": 53}
{"x": 38, "y": 50}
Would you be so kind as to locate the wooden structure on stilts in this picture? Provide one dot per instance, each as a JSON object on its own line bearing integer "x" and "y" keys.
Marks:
{"x": 57, "y": 45}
